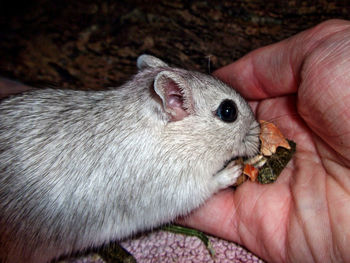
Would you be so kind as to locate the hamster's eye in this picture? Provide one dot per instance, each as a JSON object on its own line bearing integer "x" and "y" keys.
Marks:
{"x": 227, "y": 111}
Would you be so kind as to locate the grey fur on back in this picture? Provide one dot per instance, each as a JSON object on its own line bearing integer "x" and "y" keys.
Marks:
{"x": 82, "y": 168}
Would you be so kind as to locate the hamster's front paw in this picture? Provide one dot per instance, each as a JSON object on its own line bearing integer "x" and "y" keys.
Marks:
{"x": 228, "y": 176}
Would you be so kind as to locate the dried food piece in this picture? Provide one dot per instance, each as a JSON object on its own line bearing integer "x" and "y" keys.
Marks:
{"x": 274, "y": 165}
{"x": 275, "y": 152}
{"x": 250, "y": 171}
{"x": 240, "y": 180}
{"x": 271, "y": 138}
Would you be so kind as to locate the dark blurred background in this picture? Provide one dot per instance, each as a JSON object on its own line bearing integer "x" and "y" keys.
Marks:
{"x": 94, "y": 44}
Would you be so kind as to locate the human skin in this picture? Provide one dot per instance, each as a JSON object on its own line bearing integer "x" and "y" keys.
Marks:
{"x": 302, "y": 84}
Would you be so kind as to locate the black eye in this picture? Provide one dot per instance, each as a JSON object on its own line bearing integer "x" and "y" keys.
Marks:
{"x": 227, "y": 111}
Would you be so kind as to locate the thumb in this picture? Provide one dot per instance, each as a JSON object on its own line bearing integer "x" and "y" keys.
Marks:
{"x": 240, "y": 216}
{"x": 274, "y": 70}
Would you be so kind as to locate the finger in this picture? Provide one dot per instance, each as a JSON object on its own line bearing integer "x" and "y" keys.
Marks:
{"x": 324, "y": 94}
{"x": 10, "y": 87}
{"x": 274, "y": 70}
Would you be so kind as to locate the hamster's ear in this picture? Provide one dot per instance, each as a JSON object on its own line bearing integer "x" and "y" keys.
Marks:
{"x": 148, "y": 61}
{"x": 175, "y": 94}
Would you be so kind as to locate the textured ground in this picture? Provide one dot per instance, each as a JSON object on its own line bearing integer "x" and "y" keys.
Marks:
{"x": 164, "y": 247}
{"x": 92, "y": 44}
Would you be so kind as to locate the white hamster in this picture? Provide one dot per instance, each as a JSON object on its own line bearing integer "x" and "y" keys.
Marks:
{"x": 83, "y": 168}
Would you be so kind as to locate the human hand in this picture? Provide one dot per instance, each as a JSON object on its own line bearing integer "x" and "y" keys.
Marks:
{"x": 302, "y": 84}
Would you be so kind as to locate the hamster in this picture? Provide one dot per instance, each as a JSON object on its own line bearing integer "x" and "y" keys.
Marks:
{"x": 79, "y": 169}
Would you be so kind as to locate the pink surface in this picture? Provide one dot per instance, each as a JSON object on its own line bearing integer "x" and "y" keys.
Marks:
{"x": 164, "y": 247}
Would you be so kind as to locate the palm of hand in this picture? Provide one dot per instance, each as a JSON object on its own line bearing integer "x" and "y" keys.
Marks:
{"x": 301, "y": 217}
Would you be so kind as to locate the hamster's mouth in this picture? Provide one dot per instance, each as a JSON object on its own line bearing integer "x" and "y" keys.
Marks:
{"x": 266, "y": 164}
{"x": 251, "y": 141}
{"x": 250, "y": 144}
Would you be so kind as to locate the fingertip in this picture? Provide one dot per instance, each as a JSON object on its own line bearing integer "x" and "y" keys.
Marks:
{"x": 241, "y": 76}
{"x": 275, "y": 70}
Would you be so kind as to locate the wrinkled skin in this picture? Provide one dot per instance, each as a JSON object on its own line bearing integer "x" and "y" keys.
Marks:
{"x": 302, "y": 84}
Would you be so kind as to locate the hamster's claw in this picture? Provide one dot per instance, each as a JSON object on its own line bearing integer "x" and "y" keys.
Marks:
{"x": 228, "y": 176}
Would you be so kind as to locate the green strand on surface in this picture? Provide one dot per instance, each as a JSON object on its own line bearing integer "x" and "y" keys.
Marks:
{"x": 191, "y": 232}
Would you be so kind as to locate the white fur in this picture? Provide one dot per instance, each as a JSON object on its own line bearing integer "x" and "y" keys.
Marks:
{"x": 83, "y": 168}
